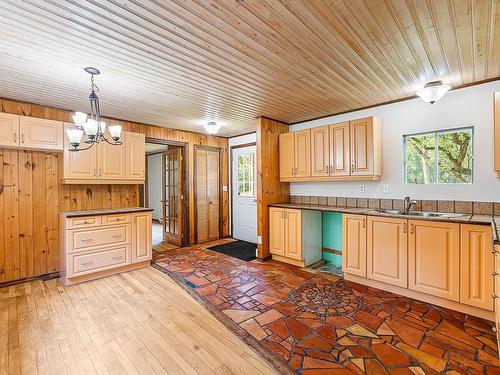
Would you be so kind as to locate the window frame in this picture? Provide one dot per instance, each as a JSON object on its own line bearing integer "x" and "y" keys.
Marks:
{"x": 436, "y": 134}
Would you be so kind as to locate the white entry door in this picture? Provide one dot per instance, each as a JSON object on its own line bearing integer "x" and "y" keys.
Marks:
{"x": 244, "y": 176}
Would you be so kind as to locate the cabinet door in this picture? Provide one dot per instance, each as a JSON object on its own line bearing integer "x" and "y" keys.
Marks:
{"x": 387, "y": 250}
{"x": 361, "y": 144}
{"x": 141, "y": 239}
{"x": 41, "y": 134}
{"x": 302, "y": 141}
{"x": 339, "y": 149}
{"x": 434, "y": 258}
{"x": 354, "y": 244}
{"x": 136, "y": 156}
{"x": 320, "y": 151}
{"x": 476, "y": 265}
{"x": 496, "y": 132}
{"x": 277, "y": 231}
{"x": 496, "y": 277}
{"x": 9, "y": 130}
{"x": 79, "y": 165}
{"x": 111, "y": 161}
{"x": 286, "y": 155}
{"x": 293, "y": 234}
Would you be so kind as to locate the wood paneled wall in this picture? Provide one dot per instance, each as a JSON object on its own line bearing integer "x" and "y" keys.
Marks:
{"x": 31, "y": 195}
{"x": 269, "y": 188}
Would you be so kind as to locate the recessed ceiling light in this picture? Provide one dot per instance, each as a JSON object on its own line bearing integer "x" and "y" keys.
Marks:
{"x": 433, "y": 91}
{"x": 212, "y": 127}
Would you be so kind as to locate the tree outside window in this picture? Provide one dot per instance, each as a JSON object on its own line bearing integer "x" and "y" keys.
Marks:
{"x": 443, "y": 157}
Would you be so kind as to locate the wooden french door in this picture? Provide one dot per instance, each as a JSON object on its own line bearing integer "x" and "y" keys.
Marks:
{"x": 173, "y": 195}
{"x": 207, "y": 190}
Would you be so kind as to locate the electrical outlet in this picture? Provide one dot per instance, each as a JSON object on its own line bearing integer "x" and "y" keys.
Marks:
{"x": 259, "y": 240}
{"x": 385, "y": 189}
{"x": 362, "y": 188}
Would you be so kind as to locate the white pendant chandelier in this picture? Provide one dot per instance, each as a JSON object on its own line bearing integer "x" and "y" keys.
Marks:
{"x": 92, "y": 125}
{"x": 212, "y": 127}
{"x": 433, "y": 91}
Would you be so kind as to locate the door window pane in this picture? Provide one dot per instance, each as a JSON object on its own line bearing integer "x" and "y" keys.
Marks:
{"x": 246, "y": 175}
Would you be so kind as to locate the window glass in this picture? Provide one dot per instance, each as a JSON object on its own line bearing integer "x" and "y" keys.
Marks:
{"x": 246, "y": 175}
{"x": 441, "y": 157}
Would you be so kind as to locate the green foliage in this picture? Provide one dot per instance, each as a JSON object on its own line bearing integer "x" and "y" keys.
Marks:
{"x": 454, "y": 157}
{"x": 246, "y": 171}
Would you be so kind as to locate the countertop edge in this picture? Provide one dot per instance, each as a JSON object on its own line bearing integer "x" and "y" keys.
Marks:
{"x": 103, "y": 211}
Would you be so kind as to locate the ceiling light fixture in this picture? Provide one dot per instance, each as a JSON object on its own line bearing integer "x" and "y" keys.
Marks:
{"x": 433, "y": 91}
{"x": 92, "y": 125}
{"x": 212, "y": 127}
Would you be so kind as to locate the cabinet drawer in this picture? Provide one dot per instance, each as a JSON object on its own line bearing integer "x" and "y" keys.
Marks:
{"x": 116, "y": 219}
{"x": 81, "y": 264}
{"x": 84, "y": 222}
{"x": 94, "y": 238}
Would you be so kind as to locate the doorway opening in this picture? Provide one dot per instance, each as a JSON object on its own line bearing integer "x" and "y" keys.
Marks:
{"x": 166, "y": 192}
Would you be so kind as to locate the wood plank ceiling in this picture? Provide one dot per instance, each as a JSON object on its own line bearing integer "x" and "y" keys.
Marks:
{"x": 181, "y": 63}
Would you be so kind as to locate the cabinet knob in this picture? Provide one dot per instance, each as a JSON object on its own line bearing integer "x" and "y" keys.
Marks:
{"x": 405, "y": 229}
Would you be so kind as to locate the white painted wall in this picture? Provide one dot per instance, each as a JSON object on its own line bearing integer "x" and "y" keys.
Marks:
{"x": 154, "y": 184}
{"x": 471, "y": 106}
{"x": 236, "y": 141}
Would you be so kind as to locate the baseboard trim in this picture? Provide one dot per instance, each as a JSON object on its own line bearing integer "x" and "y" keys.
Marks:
{"x": 44, "y": 277}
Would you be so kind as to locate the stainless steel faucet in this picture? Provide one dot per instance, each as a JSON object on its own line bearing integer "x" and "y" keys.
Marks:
{"x": 408, "y": 203}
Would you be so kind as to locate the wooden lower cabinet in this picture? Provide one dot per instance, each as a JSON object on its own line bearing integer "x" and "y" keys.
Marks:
{"x": 354, "y": 244}
{"x": 434, "y": 258}
{"x": 387, "y": 250}
{"x": 295, "y": 236}
{"x": 98, "y": 246}
{"x": 476, "y": 265}
{"x": 496, "y": 283}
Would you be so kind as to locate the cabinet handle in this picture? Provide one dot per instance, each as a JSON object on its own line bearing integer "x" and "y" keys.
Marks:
{"x": 15, "y": 137}
{"x": 87, "y": 264}
{"x": 87, "y": 240}
{"x": 95, "y": 172}
{"x": 494, "y": 251}
{"x": 117, "y": 236}
{"x": 22, "y": 138}
{"x": 120, "y": 257}
{"x": 364, "y": 223}
{"x": 405, "y": 229}
{"x": 494, "y": 295}
{"x": 412, "y": 229}
{"x": 116, "y": 219}
{"x": 494, "y": 273}
{"x": 352, "y": 167}
{"x": 100, "y": 172}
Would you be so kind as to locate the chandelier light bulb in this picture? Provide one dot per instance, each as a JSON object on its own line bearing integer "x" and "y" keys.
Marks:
{"x": 79, "y": 118}
{"x": 115, "y": 131}
{"x": 90, "y": 128}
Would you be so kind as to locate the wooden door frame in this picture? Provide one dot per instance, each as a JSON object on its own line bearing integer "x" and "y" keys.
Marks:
{"x": 185, "y": 169}
{"x": 219, "y": 151}
{"x": 250, "y": 144}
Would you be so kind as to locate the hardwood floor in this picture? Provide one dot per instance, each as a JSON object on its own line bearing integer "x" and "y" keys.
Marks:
{"x": 139, "y": 322}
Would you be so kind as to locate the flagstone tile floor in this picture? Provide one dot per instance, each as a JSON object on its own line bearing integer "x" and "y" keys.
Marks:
{"x": 315, "y": 323}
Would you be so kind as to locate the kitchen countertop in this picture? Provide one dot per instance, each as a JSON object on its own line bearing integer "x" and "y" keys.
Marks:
{"x": 103, "y": 211}
{"x": 464, "y": 219}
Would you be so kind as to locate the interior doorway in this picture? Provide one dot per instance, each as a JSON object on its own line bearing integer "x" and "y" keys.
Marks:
{"x": 244, "y": 192}
{"x": 165, "y": 191}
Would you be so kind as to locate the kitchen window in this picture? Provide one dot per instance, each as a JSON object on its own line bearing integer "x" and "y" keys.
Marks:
{"x": 439, "y": 157}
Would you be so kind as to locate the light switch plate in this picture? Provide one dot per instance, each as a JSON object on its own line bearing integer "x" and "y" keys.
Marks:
{"x": 224, "y": 188}
{"x": 385, "y": 188}
{"x": 362, "y": 188}
{"x": 259, "y": 240}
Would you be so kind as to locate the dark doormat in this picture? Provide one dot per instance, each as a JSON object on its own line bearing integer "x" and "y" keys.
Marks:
{"x": 238, "y": 249}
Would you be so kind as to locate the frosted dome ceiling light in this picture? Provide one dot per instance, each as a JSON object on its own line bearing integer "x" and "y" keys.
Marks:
{"x": 433, "y": 91}
{"x": 212, "y": 127}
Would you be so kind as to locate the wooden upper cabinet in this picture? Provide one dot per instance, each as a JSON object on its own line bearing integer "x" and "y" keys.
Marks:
{"x": 37, "y": 133}
{"x": 79, "y": 165}
{"x": 286, "y": 155}
{"x": 277, "y": 231}
{"x": 496, "y": 132}
{"x": 293, "y": 234}
{"x": 354, "y": 244}
{"x": 476, "y": 265}
{"x": 111, "y": 162}
{"x": 9, "y": 130}
{"x": 434, "y": 258}
{"x": 387, "y": 250}
{"x": 135, "y": 155}
{"x": 339, "y": 149}
{"x": 302, "y": 141}
{"x": 320, "y": 151}
{"x": 366, "y": 147}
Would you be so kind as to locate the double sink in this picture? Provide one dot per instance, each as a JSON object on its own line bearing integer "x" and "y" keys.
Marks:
{"x": 419, "y": 213}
